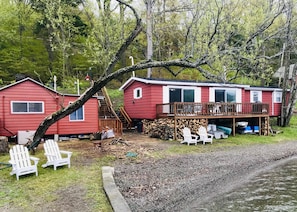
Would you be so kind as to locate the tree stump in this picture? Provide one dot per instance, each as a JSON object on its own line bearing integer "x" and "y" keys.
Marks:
{"x": 4, "y": 148}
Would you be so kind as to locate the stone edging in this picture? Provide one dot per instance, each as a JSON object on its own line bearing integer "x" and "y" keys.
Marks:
{"x": 116, "y": 199}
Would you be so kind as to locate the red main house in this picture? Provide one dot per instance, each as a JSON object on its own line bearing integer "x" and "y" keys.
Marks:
{"x": 26, "y": 103}
{"x": 141, "y": 96}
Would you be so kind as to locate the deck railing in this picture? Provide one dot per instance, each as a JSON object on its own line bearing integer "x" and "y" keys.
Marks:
{"x": 211, "y": 109}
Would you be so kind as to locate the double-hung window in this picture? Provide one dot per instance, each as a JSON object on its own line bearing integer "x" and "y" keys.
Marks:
{"x": 31, "y": 107}
{"x": 278, "y": 96}
{"x": 256, "y": 96}
{"x": 77, "y": 115}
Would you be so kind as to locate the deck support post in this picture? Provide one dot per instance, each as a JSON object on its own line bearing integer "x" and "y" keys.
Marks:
{"x": 234, "y": 126}
{"x": 268, "y": 127}
{"x": 260, "y": 125}
{"x": 175, "y": 129}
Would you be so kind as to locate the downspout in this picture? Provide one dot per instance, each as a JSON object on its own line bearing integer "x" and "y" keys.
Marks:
{"x": 3, "y": 113}
{"x": 272, "y": 103}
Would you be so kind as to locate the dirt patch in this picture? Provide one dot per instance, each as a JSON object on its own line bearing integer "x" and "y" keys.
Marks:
{"x": 68, "y": 199}
{"x": 137, "y": 143}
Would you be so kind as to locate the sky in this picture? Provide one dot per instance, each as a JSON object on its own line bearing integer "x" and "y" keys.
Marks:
{"x": 94, "y": 5}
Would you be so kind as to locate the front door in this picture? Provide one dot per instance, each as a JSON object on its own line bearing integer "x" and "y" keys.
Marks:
{"x": 175, "y": 95}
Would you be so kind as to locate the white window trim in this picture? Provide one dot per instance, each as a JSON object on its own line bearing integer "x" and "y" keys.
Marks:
{"x": 135, "y": 91}
{"x": 238, "y": 94}
{"x": 259, "y": 96}
{"x": 197, "y": 92}
{"x": 12, "y": 102}
{"x": 83, "y": 111}
{"x": 277, "y": 94}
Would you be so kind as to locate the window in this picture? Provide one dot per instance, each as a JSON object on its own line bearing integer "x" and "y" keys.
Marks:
{"x": 77, "y": 115}
{"x": 225, "y": 95}
{"x": 188, "y": 95}
{"x": 277, "y": 97}
{"x": 27, "y": 107}
{"x": 256, "y": 96}
{"x": 137, "y": 93}
{"x": 181, "y": 95}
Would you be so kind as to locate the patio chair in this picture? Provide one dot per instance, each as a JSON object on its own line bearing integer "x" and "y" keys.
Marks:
{"x": 54, "y": 155}
{"x": 188, "y": 137}
{"x": 20, "y": 161}
{"x": 204, "y": 137}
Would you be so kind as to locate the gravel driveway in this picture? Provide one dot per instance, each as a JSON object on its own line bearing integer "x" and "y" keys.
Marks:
{"x": 182, "y": 183}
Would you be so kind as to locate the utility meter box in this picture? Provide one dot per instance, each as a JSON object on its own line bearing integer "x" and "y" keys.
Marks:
{"x": 25, "y": 136}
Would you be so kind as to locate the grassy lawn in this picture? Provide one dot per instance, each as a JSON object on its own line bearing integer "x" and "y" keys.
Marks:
{"x": 81, "y": 185}
{"x": 31, "y": 193}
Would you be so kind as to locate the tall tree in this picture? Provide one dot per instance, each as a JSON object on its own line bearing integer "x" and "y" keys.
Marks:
{"x": 20, "y": 51}
{"x": 149, "y": 32}
{"x": 62, "y": 30}
{"x": 214, "y": 41}
{"x": 290, "y": 64}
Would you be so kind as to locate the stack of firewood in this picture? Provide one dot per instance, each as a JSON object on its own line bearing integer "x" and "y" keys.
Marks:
{"x": 159, "y": 128}
{"x": 265, "y": 127}
{"x": 164, "y": 128}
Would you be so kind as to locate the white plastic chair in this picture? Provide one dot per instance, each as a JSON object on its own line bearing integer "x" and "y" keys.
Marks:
{"x": 188, "y": 137}
{"x": 54, "y": 155}
{"x": 204, "y": 137}
{"x": 21, "y": 161}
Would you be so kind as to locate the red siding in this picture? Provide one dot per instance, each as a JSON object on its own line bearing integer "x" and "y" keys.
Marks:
{"x": 204, "y": 94}
{"x": 277, "y": 109}
{"x": 267, "y": 98}
{"x": 274, "y": 108}
{"x": 88, "y": 125}
{"x": 30, "y": 91}
{"x": 145, "y": 107}
{"x": 246, "y": 96}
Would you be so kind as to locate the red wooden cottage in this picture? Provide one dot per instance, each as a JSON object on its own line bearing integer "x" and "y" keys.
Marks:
{"x": 26, "y": 103}
{"x": 155, "y": 98}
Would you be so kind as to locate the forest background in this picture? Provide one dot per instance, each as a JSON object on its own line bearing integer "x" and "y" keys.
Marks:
{"x": 241, "y": 41}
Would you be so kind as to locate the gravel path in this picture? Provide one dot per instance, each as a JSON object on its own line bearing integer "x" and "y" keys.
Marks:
{"x": 182, "y": 183}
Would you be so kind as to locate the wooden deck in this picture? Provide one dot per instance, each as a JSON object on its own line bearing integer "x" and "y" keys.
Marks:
{"x": 212, "y": 111}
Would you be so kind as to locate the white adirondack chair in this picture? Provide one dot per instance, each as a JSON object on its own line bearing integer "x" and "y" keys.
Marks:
{"x": 21, "y": 161}
{"x": 54, "y": 155}
{"x": 204, "y": 137}
{"x": 188, "y": 137}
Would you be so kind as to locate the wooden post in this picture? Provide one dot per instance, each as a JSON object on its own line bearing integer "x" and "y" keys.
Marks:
{"x": 4, "y": 144}
{"x": 233, "y": 126}
{"x": 175, "y": 129}
{"x": 268, "y": 125}
{"x": 260, "y": 130}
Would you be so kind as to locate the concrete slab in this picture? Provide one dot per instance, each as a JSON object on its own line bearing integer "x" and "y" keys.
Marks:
{"x": 116, "y": 199}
